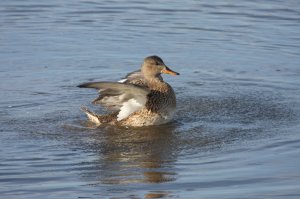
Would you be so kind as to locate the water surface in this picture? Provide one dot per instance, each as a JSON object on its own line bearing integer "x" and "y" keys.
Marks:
{"x": 236, "y": 131}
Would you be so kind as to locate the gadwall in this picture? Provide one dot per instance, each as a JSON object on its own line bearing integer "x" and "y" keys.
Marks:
{"x": 141, "y": 99}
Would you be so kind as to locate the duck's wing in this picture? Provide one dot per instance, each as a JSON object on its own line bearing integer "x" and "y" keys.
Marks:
{"x": 135, "y": 75}
{"x": 126, "y": 98}
{"x": 136, "y": 78}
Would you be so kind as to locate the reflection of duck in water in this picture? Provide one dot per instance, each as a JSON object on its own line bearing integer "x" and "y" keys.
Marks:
{"x": 129, "y": 156}
{"x": 141, "y": 99}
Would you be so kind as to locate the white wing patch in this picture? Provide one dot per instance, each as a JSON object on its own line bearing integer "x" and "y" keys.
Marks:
{"x": 122, "y": 80}
{"x": 129, "y": 107}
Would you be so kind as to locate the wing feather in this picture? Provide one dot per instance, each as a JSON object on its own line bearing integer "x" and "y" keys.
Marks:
{"x": 127, "y": 98}
{"x": 136, "y": 78}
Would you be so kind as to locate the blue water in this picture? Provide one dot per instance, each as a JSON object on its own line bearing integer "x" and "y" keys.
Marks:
{"x": 236, "y": 131}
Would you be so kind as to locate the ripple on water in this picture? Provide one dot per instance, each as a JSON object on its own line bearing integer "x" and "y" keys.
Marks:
{"x": 222, "y": 143}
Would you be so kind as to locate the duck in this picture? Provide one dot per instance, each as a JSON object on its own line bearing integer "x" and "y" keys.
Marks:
{"x": 142, "y": 98}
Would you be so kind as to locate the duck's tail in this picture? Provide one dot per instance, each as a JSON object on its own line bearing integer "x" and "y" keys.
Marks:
{"x": 93, "y": 117}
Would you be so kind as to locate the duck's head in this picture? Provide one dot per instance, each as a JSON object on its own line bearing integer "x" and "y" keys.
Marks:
{"x": 154, "y": 66}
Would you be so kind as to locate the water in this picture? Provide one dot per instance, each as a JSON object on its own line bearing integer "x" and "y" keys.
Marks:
{"x": 236, "y": 131}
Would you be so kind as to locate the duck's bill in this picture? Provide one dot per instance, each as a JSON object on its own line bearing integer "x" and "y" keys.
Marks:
{"x": 169, "y": 71}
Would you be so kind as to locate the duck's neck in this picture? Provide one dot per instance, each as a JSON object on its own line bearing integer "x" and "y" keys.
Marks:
{"x": 157, "y": 83}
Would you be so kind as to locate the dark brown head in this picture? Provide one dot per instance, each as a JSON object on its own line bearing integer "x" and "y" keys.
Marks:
{"x": 154, "y": 66}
